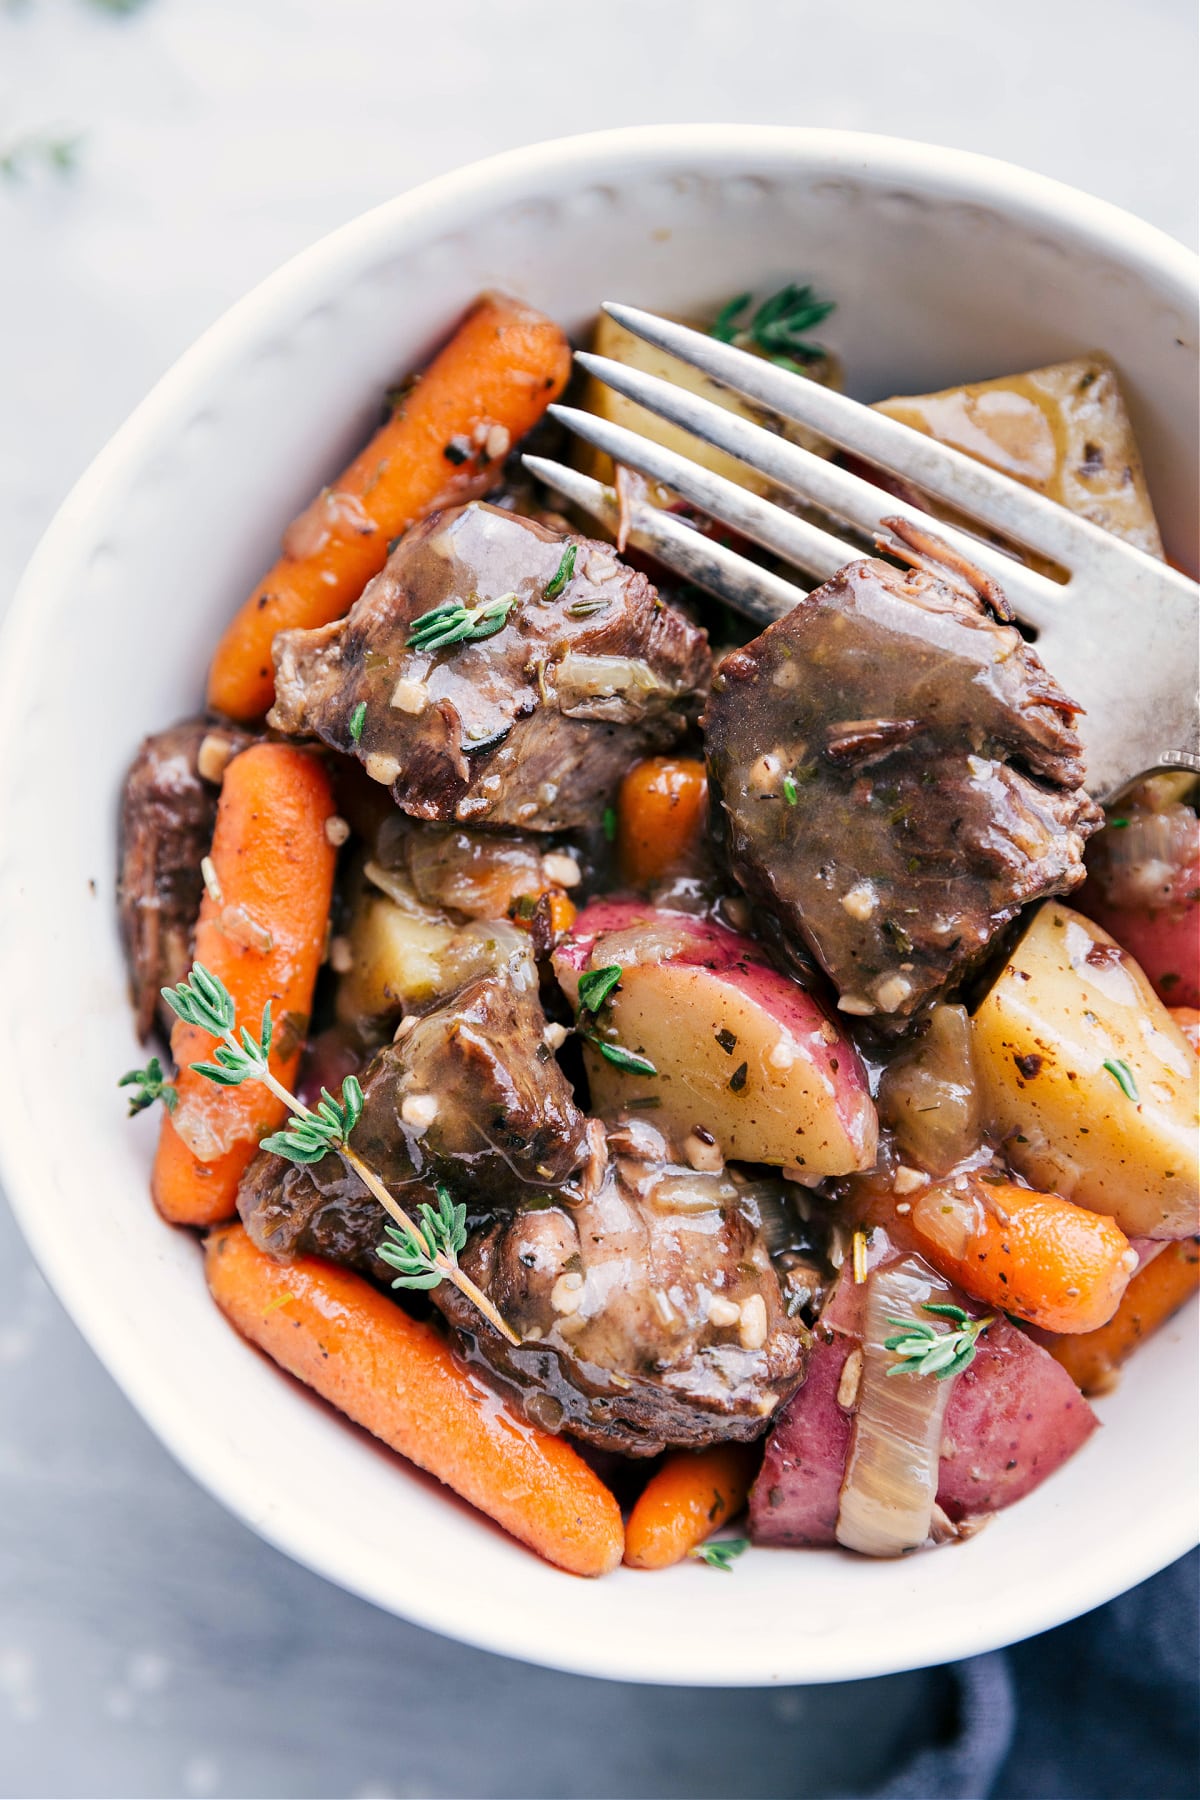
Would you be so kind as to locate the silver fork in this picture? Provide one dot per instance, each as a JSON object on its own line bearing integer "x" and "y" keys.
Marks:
{"x": 1120, "y": 634}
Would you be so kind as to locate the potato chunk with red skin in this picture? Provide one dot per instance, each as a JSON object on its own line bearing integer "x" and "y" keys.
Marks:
{"x": 738, "y": 1049}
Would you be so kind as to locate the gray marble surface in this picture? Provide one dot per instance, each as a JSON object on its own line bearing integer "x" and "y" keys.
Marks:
{"x": 148, "y": 1643}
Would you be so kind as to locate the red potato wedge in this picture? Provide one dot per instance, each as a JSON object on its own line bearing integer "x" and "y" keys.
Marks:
{"x": 737, "y": 1048}
{"x": 1014, "y": 1417}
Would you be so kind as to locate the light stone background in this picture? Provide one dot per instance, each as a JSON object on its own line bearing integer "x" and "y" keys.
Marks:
{"x": 149, "y": 1645}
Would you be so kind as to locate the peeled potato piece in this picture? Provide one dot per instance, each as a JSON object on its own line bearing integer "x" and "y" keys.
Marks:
{"x": 613, "y": 340}
{"x": 1088, "y": 1080}
{"x": 1062, "y": 430}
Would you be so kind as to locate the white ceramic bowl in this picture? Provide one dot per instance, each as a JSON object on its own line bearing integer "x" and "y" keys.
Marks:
{"x": 944, "y": 266}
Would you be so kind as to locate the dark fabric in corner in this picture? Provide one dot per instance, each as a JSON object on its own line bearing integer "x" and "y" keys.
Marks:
{"x": 1105, "y": 1708}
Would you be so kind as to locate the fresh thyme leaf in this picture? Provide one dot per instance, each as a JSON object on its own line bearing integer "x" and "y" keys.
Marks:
{"x": 562, "y": 575}
{"x": 151, "y": 1085}
{"x": 454, "y": 623}
{"x": 595, "y": 985}
{"x": 920, "y": 1350}
{"x": 423, "y": 1255}
{"x": 609, "y": 822}
{"x": 720, "y": 1553}
{"x": 791, "y": 792}
{"x": 358, "y": 719}
{"x": 778, "y": 326}
{"x": 1122, "y": 1074}
{"x": 583, "y": 609}
{"x": 725, "y": 327}
{"x": 1117, "y": 824}
{"x": 621, "y": 1058}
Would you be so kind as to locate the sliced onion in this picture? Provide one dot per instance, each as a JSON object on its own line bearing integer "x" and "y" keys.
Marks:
{"x": 890, "y": 1484}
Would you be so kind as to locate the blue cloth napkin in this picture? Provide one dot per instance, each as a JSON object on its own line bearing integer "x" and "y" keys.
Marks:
{"x": 1105, "y": 1708}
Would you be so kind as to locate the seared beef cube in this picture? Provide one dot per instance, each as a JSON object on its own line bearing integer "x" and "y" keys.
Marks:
{"x": 470, "y": 1095}
{"x": 897, "y": 776}
{"x": 531, "y": 726}
{"x": 648, "y": 1305}
{"x": 168, "y": 811}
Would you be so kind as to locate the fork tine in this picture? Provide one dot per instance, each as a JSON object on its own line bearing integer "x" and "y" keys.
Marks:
{"x": 976, "y": 490}
{"x": 810, "y": 477}
{"x": 795, "y": 539}
{"x": 743, "y": 585}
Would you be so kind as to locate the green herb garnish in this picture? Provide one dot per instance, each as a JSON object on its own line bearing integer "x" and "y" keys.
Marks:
{"x": 595, "y": 985}
{"x": 1122, "y": 1074}
{"x": 621, "y": 1058}
{"x": 777, "y": 326}
{"x": 444, "y": 1230}
{"x": 358, "y": 719}
{"x": 151, "y": 1085}
{"x": 791, "y": 792}
{"x": 454, "y": 623}
{"x": 425, "y": 1254}
{"x": 921, "y": 1350}
{"x": 563, "y": 574}
{"x": 609, "y": 822}
{"x": 1117, "y": 824}
{"x": 721, "y": 1553}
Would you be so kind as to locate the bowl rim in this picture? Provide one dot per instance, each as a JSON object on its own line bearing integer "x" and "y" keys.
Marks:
{"x": 954, "y": 175}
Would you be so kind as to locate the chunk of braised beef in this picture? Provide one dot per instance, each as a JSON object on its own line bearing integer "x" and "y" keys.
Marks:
{"x": 896, "y": 776}
{"x": 168, "y": 811}
{"x": 646, "y": 1298}
{"x": 470, "y": 1095}
{"x": 531, "y": 726}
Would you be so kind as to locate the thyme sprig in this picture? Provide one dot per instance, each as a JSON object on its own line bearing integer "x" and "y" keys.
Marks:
{"x": 922, "y": 1350}
{"x": 424, "y": 1255}
{"x": 777, "y": 327}
{"x": 151, "y": 1085}
{"x": 720, "y": 1553}
{"x": 454, "y": 623}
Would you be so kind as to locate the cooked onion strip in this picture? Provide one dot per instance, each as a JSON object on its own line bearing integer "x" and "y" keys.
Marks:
{"x": 890, "y": 1484}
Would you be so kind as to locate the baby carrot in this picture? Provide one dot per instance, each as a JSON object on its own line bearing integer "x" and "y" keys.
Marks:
{"x": 1156, "y": 1291}
{"x": 1037, "y": 1256}
{"x": 660, "y": 809}
{"x": 262, "y": 932}
{"x": 444, "y": 443}
{"x": 693, "y": 1493}
{"x": 399, "y": 1379}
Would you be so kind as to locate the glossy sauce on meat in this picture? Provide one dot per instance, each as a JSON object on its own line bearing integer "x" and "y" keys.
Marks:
{"x": 897, "y": 776}
{"x": 532, "y": 726}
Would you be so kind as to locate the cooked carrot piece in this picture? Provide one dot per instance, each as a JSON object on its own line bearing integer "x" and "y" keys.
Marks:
{"x": 660, "y": 810}
{"x": 400, "y": 1380}
{"x": 444, "y": 443}
{"x": 1156, "y": 1291}
{"x": 693, "y": 1493}
{"x": 1037, "y": 1256}
{"x": 262, "y": 932}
